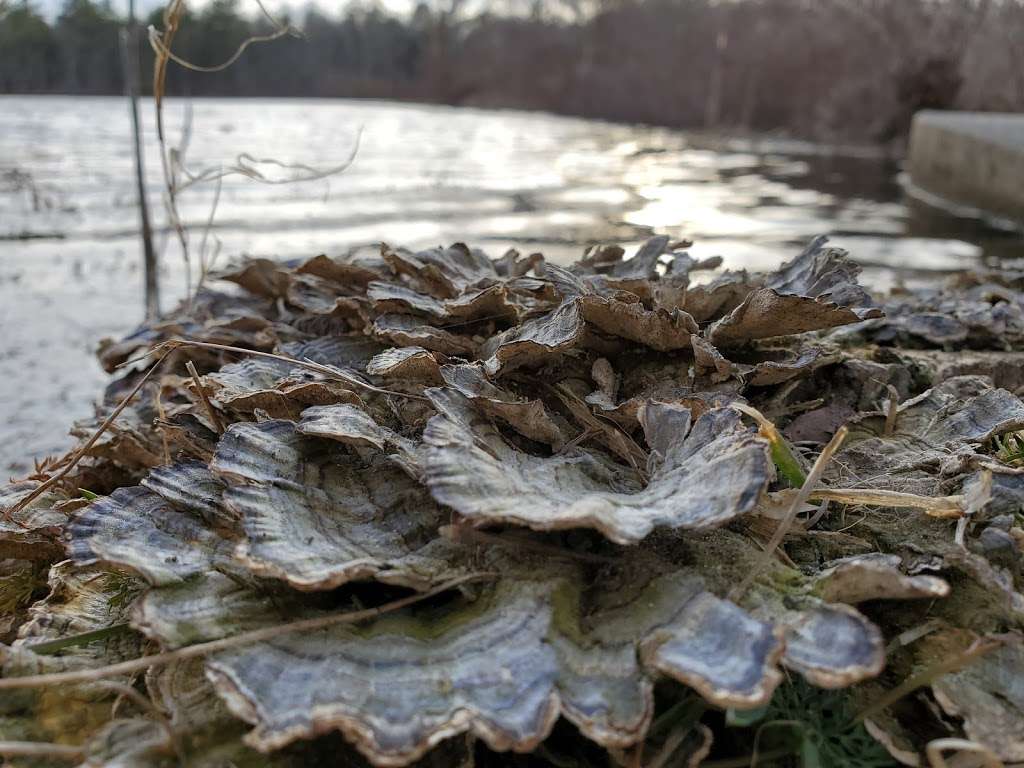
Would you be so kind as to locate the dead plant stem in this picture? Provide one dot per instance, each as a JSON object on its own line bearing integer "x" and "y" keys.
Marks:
{"x": 211, "y": 412}
{"x": 799, "y": 499}
{"x": 54, "y": 479}
{"x": 924, "y": 677}
{"x": 41, "y": 749}
{"x": 324, "y": 370}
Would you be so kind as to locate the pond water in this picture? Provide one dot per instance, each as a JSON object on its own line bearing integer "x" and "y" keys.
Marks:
{"x": 421, "y": 176}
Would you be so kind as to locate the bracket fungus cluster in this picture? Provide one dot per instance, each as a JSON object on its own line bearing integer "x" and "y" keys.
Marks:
{"x": 432, "y": 508}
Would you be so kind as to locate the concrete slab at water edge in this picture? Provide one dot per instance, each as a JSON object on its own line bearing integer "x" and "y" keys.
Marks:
{"x": 970, "y": 158}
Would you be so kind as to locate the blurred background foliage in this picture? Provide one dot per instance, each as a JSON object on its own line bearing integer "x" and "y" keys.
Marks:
{"x": 852, "y": 70}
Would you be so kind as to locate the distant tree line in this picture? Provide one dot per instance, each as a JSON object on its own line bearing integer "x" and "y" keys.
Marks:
{"x": 828, "y": 69}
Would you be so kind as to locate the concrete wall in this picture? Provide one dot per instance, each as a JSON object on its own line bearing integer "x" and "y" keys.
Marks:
{"x": 970, "y": 158}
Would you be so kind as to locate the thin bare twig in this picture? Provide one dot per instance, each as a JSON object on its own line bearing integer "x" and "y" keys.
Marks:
{"x": 324, "y": 370}
{"x": 147, "y": 706}
{"x": 816, "y": 517}
{"x": 43, "y": 487}
{"x": 173, "y": 14}
{"x": 40, "y": 749}
{"x": 245, "y": 165}
{"x": 177, "y": 177}
{"x": 204, "y": 263}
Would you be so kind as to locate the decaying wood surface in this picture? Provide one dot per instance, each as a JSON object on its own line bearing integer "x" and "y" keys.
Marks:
{"x": 418, "y": 508}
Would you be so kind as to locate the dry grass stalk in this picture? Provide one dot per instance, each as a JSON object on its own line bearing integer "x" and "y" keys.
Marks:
{"x": 674, "y": 741}
{"x": 958, "y": 506}
{"x": 211, "y": 412}
{"x": 799, "y": 499}
{"x": 955, "y": 663}
{"x": 206, "y": 262}
{"x": 934, "y": 506}
{"x": 41, "y": 750}
{"x": 172, "y": 19}
{"x": 177, "y": 178}
{"x": 750, "y": 761}
{"x": 324, "y": 370}
{"x": 892, "y": 411}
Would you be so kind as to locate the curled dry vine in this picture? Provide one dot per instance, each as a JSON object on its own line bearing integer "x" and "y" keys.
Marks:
{"x": 177, "y": 176}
